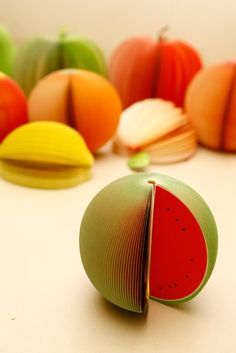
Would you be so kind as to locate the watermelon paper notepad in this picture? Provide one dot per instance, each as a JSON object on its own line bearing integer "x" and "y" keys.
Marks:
{"x": 148, "y": 236}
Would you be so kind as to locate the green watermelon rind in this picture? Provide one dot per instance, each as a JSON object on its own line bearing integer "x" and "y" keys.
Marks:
{"x": 112, "y": 267}
{"x": 96, "y": 238}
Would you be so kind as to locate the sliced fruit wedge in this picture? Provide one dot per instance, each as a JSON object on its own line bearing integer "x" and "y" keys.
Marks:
{"x": 158, "y": 128}
{"x": 45, "y": 155}
{"x": 179, "y": 253}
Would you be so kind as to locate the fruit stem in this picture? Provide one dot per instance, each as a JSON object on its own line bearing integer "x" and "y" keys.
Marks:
{"x": 152, "y": 182}
{"x": 63, "y": 32}
{"x": 161, "y": 34}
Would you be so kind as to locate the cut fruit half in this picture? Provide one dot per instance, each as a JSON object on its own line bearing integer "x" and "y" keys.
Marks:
{"x": 45, "y": 155}
{"x": 148, "y": 235}
{"x": 178, "y": 261}
{"x": 157, "y": 127}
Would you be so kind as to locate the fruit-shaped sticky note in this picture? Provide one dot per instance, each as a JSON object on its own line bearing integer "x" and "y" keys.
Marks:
{"x": 148, "y": 235}
{"x": 211, "y": 106}
{"x": 39, "y": 56}
{"x": 143, "y": 67}
{"x": 157, "y": 127}
{"x": 81, "y": 99}
{"x": 13, "y": 106}
{"x": 45, "y": 155}
{"x": 7, "y": 51}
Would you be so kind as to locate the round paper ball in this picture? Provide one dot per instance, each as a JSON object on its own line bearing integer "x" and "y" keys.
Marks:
{"x": 148, "y": 235}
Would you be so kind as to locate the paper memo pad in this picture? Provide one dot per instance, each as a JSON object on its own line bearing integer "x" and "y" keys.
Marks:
{"x": 45, "y": 154}
{"x": 148, "y": 236}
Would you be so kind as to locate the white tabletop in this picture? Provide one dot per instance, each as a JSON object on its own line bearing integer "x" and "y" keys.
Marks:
{"x": 48, "y": 305}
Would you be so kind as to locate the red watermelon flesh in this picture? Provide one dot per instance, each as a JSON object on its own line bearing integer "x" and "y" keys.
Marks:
{"x": 178, "y": 250}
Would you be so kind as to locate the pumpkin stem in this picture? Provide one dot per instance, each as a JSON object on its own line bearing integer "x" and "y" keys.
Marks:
{"x": 161, "y": 34}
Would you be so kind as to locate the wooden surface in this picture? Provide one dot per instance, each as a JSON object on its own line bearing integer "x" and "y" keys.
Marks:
{"x": 48, "y": 305}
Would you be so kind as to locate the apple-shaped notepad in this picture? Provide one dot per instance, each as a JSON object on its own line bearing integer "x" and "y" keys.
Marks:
{"x": 148, "y": 235}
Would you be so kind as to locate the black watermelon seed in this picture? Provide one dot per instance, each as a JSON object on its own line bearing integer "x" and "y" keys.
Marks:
{"x": 183, "y": 229}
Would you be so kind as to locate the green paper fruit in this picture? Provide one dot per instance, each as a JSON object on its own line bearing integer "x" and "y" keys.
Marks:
{"x": 139, "y": 161}
{"x": 39, "y": 56}
{"x": 46, "y": 155}
{"x": 148, "y": 235}
{"x": 7, "y": 51}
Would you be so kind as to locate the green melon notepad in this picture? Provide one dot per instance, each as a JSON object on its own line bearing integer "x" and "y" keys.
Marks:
{"x": 148, "y": 236}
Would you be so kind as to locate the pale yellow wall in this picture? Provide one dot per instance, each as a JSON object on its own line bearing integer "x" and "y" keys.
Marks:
{"x": 209, "y": 25}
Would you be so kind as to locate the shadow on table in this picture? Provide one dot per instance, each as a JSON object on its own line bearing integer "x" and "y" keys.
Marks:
{"x": 117, "y": 313}
{"x": 156, "y": 312}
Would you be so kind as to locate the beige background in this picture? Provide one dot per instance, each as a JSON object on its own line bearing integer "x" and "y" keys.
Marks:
{"x": 48, "y": 305}
{"x": 208, "y": 24}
